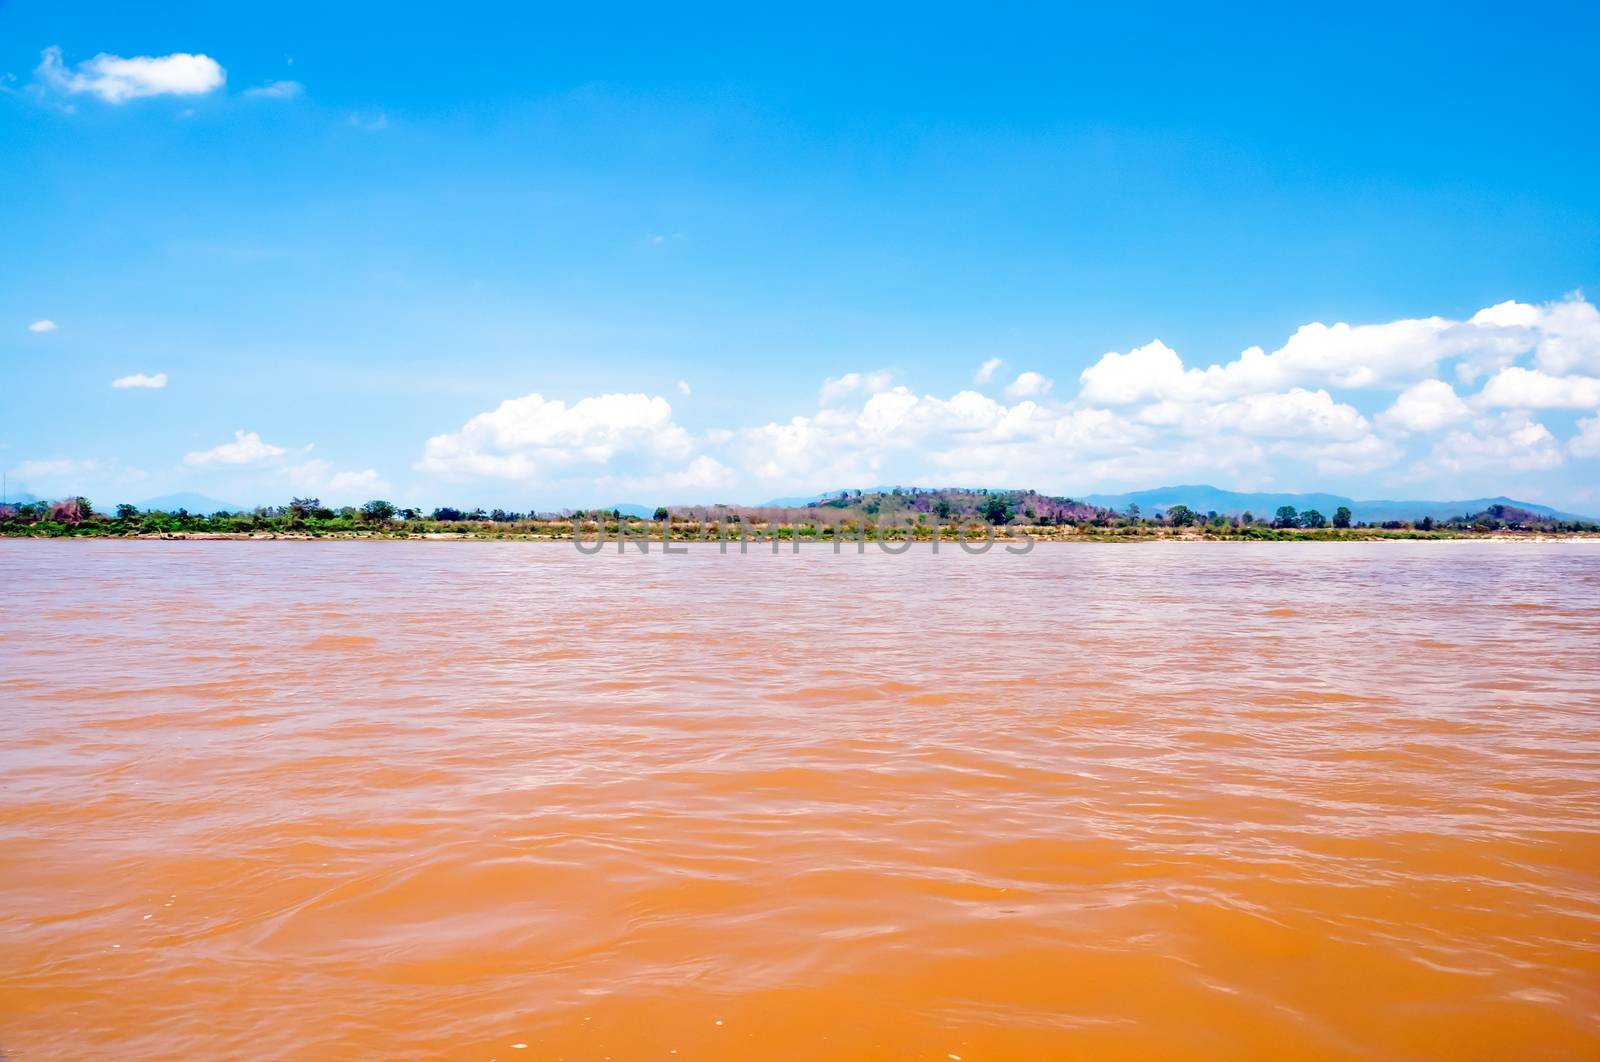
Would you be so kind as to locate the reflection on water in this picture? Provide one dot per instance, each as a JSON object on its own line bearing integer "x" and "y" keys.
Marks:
{"x": 433, "y": 800}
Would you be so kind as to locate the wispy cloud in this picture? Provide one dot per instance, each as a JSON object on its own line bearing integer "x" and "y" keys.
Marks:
{"x": 317, "y": 476}
{"x": 1587, "y": 442}
{"x": 55, "y": 468}
{"x": 371, "y": 121}
{"x": 42, "y": 326}
{"x": 139, "y": 379}
{"x": 986, "y": 371}
{"x": 835, "y": 387}
{"x": 277, "y": 90}
{"x": 116, "y": 79}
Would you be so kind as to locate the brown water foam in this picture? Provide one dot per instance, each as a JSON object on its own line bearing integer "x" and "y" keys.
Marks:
{"x": 429, "y": 800}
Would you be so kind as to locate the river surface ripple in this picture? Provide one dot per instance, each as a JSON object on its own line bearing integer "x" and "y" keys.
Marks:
{"x": 437, "y": 800}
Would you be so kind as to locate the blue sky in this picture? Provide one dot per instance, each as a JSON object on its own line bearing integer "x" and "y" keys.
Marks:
{"x": 508, "y": 257}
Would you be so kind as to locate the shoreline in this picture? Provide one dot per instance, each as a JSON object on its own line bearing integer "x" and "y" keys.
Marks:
{"x": 1002, "y": 536}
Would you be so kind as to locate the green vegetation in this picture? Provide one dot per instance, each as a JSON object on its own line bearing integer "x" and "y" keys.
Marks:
{"x": 901, "y": 513}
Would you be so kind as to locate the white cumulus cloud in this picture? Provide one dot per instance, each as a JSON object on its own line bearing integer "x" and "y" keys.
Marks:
{"x": 139, "y": 379}
{"x": 246, "y": 449}
{"x": 115, "y": 79}
{"x": 966, "y": 437}
{"x": 1149, "y": 372}
{"x": 1427, "y": 405}
{"x": 1569, "y": 336}
{"x": 1029, "y": 385}
{"x": 528, "y": 436}
{"x": 1521, "y": 388}
{"x": 1282, "y": 418}
{"x": 1561, "y": 336}
{"x": 701, "y": 474}
{"x": 42, "y": 326}
{"x": 1296, "y": 413}
{"x": 1511, "y": 441}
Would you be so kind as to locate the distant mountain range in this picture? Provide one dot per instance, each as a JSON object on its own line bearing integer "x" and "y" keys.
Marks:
{"x": 800, "y": 501}
{"x": 188, "y": 501}
{"x": 167, "y": 503}
{"x": 1202, "y": 499}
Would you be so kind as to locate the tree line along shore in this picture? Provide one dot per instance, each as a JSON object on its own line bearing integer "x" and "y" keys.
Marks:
{"x": 887, "y": 515}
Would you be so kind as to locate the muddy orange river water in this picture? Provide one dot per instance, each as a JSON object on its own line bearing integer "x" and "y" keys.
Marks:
{"x": 504, "y": 801}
